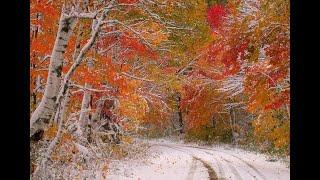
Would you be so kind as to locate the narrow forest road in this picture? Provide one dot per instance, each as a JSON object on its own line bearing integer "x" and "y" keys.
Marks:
{"x": 170, "y": 160}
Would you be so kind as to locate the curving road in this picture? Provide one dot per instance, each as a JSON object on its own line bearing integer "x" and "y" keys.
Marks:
{"x": 171, "y": 160}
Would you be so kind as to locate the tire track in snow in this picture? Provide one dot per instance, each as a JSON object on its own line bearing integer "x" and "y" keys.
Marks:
{"x": 212, "y": 174}
{"x": 219, "y": 165}
{"x": 234, "y": 171}
{"x": 242, "y": 160}
{"x": 230, "y": 162}
{"x": 248, "y": 164}
{"x": 221, "y": 171}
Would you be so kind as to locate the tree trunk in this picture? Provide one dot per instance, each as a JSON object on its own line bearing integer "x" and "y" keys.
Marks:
{"x": 37, "y": 88}
{"x": 83, "y": 120}
{"x": 44, "y": 112}
{"x": 41, "y": 168}
{"x": 231, "y": 121}
{"x": 62, "y": 110}
{"x": 213, "y": 120}
{"x": 97, "y": 115}
{"x": 235, "y": 131}
{"x": 78, "y": 41}
{"x": 180, "y": 113}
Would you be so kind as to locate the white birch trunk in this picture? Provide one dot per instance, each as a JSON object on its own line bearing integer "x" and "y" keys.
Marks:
{"x": 83, "y": 119}
{"x": 79, "y": 59}
{"x": 43, "y": 163}
{"x": 61, "y": 114}
{"x": 44, "y": 112}
{"x": 77, "y": 45}
{"x": 38, "y": 84}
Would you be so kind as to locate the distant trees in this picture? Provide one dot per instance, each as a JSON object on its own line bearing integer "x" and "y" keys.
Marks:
{"x": 247, "y": 66}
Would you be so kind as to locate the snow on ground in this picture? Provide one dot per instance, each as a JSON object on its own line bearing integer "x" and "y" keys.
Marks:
{"x": 162, "y": 163}
{"x": 168, "y": 160}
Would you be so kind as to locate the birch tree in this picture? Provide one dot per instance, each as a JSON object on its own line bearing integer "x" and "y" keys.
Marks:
{"x": 55, "y": 90}
{"x": 45, "y": 110}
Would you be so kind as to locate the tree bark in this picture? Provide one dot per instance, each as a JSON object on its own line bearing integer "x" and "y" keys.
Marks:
{"x": 78, "y": 41}
{"x": 232, "y": 120}
{"x": 97, "y": 115}
{"x": 61, "y": 114}
{"x": 44, "y": 162}
{"x": 180, "y": 113}
{"x": 83, "y": 119}
{"x": 78, "y": 60}
{"x": 44, "y": 112}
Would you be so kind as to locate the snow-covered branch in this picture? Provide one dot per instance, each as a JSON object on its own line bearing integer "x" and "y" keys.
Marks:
{"x": 83, "y": 51}
{"x": 136, "y": 33}
{"x": 138, "y": 78}
{"x": 190, "y": 64}
{"x": 89, "y": 89}
{"x": 168, "y": 25}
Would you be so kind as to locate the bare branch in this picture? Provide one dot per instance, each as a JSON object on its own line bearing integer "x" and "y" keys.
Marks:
{"x": 138, "y": 78}
{"x": 89, "y": 89}
{"x": 190, "y": 64}
{"x": 132, "y": 30}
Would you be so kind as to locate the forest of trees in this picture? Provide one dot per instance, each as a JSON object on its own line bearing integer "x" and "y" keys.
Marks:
{"x": 103, "y": 71}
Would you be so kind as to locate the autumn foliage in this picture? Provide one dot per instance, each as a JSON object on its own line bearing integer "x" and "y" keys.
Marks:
{"x": 214, "y": 72}
{"x": 216, "y": 15}
{"x": 250, "y": 49}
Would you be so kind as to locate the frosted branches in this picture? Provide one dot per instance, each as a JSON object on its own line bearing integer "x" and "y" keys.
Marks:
{"x": 233, "y": 85}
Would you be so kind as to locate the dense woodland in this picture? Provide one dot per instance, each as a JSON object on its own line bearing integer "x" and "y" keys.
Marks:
{"x": 105, "y": 71}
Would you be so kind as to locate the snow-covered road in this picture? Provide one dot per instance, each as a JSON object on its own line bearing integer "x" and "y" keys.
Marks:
{"x": 171, "y": 160}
